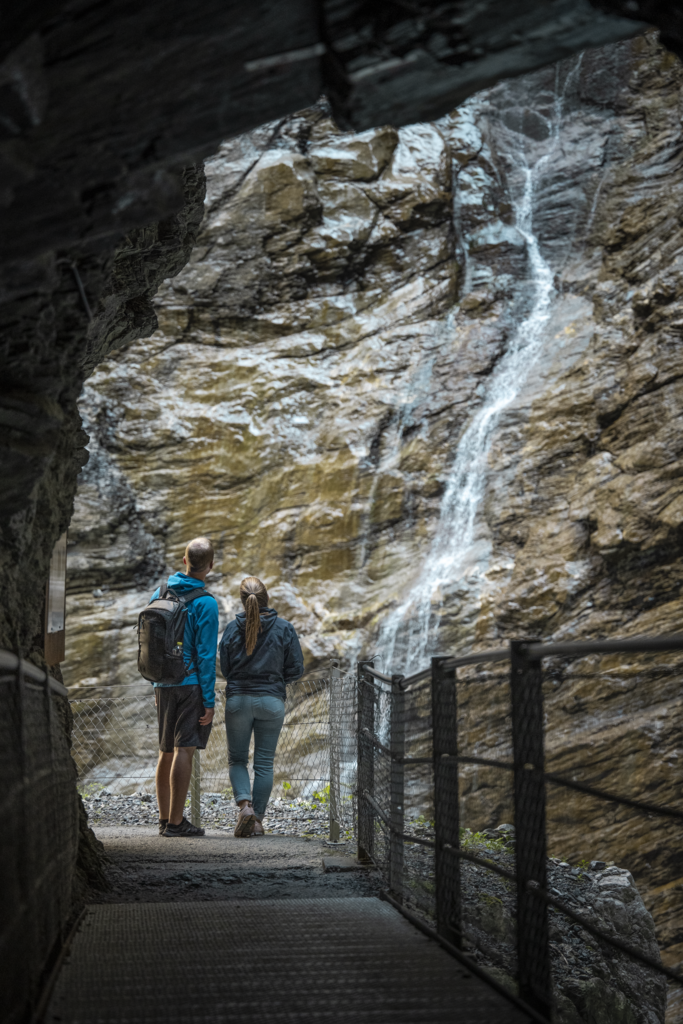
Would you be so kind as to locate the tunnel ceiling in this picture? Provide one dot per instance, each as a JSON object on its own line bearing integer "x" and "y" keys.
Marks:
{"x": 102, "y": 103}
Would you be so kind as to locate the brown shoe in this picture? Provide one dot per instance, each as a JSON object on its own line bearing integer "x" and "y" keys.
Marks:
{"x": 258, "y": 828}
{"x": 245, "y": 822}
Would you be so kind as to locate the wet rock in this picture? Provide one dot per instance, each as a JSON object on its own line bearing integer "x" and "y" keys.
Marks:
{"x": 314, "y": 374}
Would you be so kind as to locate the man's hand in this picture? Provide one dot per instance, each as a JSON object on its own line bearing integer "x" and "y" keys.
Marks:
{"x": 207, "y": 716}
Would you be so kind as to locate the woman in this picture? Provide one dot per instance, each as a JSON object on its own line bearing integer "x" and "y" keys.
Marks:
{"x": 260, "y": 654}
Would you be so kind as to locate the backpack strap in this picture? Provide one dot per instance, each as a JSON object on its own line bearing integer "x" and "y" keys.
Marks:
{"x": 193, "y": 595}
{"x": 186, "y": 599}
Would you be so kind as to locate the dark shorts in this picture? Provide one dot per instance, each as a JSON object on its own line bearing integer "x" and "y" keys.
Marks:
{"x": 179, "y": 709}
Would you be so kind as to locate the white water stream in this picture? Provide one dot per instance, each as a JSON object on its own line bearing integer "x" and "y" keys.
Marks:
{"x": 406, "y": 639}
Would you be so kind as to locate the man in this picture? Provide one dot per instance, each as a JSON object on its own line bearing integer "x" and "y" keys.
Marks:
{"x": 185, "y": 710}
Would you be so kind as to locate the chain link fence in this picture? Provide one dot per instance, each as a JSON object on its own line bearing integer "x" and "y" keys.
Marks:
{"x": 495, "y": 897}
{"x": 402, "y": 760}
{"x": 115, "y": 746}
{"x": 395, "y": 786}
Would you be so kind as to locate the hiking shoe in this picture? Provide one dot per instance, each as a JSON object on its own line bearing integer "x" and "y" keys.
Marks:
{"x": 163, "y": 822}
{"x": 183, "y": 829}
{"x": 258, "y": 828}
{"x": 245, "y": 822}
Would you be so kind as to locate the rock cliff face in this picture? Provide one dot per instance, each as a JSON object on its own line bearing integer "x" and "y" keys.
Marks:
{"x": 64, "y": 321}
{"x": 425, "y": 383}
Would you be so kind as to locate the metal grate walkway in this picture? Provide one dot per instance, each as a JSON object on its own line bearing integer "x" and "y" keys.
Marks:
{"x": 306, "y": 961}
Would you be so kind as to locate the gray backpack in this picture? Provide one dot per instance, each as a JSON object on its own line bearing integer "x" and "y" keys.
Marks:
{"x": 161, "y": 630}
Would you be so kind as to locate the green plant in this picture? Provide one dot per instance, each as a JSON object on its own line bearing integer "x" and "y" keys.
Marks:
{"x": 422, "y": 821}
{"x": 583, "y": 865}
{"x": 490, "y": 900}
{"x": 422, "y": 883}
{"x": 468, "y": 839}
{"x": 90, "y": 790}
{"x": 322, "y": 796}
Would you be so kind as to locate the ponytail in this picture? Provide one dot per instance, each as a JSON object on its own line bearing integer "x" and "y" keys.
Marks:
{"x": 253, "y": 622}
{"x": 254, "y": 597}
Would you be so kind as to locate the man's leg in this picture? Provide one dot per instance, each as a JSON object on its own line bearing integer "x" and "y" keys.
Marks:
{"x": 163, "y": 773}
{"x": 163, "y": 780}
{"x": 181, "y": 770}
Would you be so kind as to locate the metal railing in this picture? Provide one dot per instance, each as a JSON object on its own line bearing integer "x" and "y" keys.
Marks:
{"x": 115, "y": 743}
{"x": 39, "y": 843}
{"x": 408, "y": 741}
{"x": 381, "y": 741}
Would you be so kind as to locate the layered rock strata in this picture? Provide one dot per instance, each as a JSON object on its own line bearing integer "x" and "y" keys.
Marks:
{"x": 96, "y": 126}
{"x": 352, "y": 306}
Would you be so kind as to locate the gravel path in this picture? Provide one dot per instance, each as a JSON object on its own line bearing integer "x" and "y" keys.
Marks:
{"x": 296, "y": 817}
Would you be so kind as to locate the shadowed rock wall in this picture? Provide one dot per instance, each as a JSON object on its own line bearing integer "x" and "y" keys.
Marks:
{"x": 50, "y": 854}
{"x": 343, "y": 318}
{"x": 48, "y": 326}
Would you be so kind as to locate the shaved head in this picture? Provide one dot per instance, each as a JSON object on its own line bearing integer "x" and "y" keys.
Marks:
{"x": 199, "y": 554}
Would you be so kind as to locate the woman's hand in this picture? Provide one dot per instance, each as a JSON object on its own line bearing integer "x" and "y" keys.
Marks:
{"x": 207, "y": 716}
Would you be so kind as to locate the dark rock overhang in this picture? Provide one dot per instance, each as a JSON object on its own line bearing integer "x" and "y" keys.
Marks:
{"x": 101, "y": 103}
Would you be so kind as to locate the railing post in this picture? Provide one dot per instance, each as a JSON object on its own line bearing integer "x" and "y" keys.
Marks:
{"x": 365, "y": 782}
{"x": 533, "y": 951}
{"x": 397, "y": 745}
{"x": 446, "y": 801}
{"x": 196, "y": 791}
{"x": 334, "y": 741}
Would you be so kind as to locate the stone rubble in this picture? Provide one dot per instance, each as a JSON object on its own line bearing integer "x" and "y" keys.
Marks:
{"x": 297, "y": 817}
{"x": 593, "y": 984}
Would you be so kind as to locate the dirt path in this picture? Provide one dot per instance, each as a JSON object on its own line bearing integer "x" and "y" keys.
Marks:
{"x": 144, "y": 867}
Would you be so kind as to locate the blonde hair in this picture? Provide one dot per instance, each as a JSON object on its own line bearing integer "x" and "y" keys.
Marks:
{"x": 199, "y": 554}
{"x": 254, "y": 597}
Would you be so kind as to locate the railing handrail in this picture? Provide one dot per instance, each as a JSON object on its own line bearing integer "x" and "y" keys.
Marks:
{"x": 9, "y": 662}
{"x": 382, "y": 676}
{"x": 576, "y": 648}
{"x": 536, "y": 651}
{"x": 525, "y": 658}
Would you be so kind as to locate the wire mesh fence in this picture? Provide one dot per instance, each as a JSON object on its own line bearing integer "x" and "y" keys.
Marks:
{"x": 413, "y": 768}
{"x": 115, "y": 746}
{"x": 395, "y": 787}
{"x": 437, "y": 757}
{"x": 40, "y": 834}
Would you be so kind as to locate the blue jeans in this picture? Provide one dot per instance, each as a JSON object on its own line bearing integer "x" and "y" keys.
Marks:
{"x": 263, "y": 715}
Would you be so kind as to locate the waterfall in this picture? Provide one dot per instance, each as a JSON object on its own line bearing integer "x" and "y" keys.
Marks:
{"x": 406, "y": 638}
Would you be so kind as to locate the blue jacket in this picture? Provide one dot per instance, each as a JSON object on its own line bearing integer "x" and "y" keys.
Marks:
{"x": 201, "y": 634}
{"x": 275, "y": 661}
